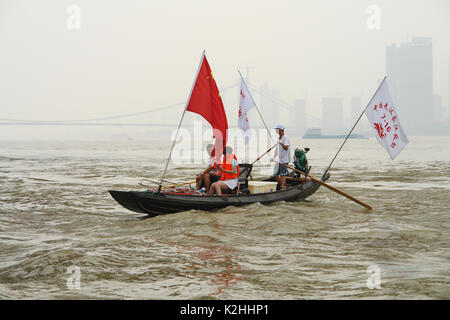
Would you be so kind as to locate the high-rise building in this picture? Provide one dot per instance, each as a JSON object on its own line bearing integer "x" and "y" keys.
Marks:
{"x": 332, "y": 116}
{"x": 297, "y": 124}
{"x": 355, "y": 109}
{"x": 410, "y": 78}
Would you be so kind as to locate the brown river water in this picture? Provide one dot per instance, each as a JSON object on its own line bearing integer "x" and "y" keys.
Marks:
{"x": 56, "y": 216}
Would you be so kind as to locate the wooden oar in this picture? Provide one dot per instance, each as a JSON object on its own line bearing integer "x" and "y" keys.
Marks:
{"x": 167, "y": 187}
{"x": 330, "y": 187}
{"x": 264, "y": 153}
{"x": 181, "y": 184}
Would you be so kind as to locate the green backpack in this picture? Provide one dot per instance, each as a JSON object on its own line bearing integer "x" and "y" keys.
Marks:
{"x": 300, "y": 161}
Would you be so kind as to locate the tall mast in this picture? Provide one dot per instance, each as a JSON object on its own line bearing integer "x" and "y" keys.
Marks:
{"x": 179, "y": 125}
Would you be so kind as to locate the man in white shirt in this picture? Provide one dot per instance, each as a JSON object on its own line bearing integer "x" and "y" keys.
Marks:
{"x": 282, "y": 155}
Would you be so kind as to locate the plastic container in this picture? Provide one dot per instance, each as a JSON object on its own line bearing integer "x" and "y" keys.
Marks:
{"x": 262, "y": 186}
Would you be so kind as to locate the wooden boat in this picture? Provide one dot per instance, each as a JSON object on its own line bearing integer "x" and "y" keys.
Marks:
{"x": 166, "y": 200}
{"x": 153, "y": 203}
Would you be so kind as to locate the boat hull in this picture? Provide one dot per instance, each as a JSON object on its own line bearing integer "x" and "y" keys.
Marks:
{"x": 154, "y": 204}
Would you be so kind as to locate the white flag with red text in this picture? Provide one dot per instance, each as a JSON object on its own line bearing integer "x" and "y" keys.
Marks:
{"x": 385, "y": 121}
{"x": 246, "y": 102}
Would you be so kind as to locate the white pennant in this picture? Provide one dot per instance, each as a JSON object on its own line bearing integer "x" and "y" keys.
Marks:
{"x": 385, "y": 121}
{"x": 245, "y": 104}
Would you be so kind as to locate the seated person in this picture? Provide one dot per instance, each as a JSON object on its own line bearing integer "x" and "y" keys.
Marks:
{"x": 230, "y": 173}
{"x": 210, "y": 174}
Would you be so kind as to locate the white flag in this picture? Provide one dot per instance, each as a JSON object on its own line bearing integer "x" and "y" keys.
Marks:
{"x": 245, "y": 104}
{"x": 384, "y": 120}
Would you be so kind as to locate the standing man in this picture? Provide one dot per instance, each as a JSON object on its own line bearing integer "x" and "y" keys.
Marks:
{"x": 283, "y": 151}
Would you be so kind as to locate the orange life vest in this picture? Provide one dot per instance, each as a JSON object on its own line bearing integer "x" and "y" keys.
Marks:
{"x": 227, "y": 165}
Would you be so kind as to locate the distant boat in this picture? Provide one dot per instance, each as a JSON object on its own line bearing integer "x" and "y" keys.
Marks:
{"x": 316, "y": 133}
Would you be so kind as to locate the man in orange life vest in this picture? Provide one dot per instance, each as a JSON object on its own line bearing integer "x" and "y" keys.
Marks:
{"x": 210, "y": 174}
{"x": 230, "y": 174}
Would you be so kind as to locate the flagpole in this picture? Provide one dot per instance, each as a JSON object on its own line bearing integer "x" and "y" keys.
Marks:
{"x": 353, "y": 127}
{"x": 257, "y": 109}
{"x": 179, "y": 125}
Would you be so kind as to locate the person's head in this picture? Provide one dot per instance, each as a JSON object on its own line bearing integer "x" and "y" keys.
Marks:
{"x": 279, "y": 128}
{"x": 228, "y": 150}
{"x": 209, "y": 149}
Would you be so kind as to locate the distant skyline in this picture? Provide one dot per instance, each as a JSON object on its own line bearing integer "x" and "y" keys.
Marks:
{"x": 410, "y": 78}
{"x": 127, "y": 57}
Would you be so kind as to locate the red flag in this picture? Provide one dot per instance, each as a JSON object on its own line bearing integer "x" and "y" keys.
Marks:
{"x": 206, "y": 101}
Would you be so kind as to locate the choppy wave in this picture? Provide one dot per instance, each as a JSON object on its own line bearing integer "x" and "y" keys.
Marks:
{"x": 55, "y": 213}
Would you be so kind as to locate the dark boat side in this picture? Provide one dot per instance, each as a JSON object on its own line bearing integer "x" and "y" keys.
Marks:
{"x": 153, "y": 203}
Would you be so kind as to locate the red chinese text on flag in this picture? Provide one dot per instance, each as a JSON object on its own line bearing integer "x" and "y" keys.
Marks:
{"x": 245, "y": 104}
{"x": 205, "y": 100}
{"x": 384, "y": 120}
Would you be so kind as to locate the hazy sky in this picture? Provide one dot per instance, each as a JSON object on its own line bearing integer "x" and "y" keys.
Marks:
{"x": 131, "y": 56}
